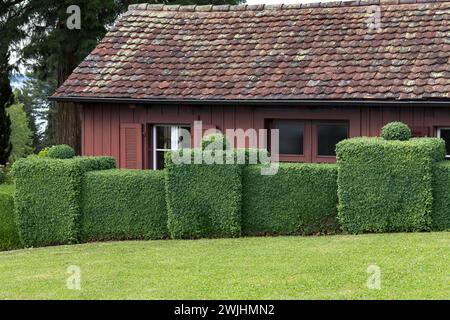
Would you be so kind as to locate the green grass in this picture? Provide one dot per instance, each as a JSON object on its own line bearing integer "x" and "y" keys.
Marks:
{"x": 413, "y": 266}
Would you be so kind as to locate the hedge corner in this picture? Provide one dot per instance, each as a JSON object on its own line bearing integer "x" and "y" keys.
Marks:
{"x": 386, "y": 186}
{"x": 47, "y": 197}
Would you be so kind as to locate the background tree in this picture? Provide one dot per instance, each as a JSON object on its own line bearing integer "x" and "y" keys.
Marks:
{"x": 56, "y": 50}
{"x": 21, "y": 134}
{"x": 6, "y": 96}
{"x": 11, "y": 17}
{"x": 39, "y": 110}
{"x": 6, "y": 99}
{"x": 5, "y": 132}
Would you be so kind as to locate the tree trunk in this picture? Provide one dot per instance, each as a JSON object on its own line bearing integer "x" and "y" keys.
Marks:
{"x": 68, "y": 114}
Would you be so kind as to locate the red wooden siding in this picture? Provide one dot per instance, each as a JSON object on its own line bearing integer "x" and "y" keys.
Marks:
{"x": 104, "y": 124}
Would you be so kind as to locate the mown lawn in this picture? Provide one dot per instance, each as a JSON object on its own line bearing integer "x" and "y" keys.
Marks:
{"x": 413, "y": 266}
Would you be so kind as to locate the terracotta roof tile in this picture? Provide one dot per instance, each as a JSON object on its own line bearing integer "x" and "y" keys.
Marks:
{"x": 302, "y": 51}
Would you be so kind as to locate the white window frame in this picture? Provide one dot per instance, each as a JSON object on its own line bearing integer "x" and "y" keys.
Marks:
{"x": 174, "y": 134}
{"x": 438, "y": 134}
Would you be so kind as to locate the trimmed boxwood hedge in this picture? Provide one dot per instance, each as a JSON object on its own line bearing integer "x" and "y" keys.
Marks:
{"x": 396, "y": 131}
{"x": 61, "y": 151}
{"x": 123, "y": 204}
{"x": 386, "y": 186}
{"x": 299, "y": 199}
{"x": 47, "y": 197}
{"x": 441, "y": 196}
{"x": 9, "y": 234}
{"x": 203, "y": 200}
{"x": 381, "y": 185}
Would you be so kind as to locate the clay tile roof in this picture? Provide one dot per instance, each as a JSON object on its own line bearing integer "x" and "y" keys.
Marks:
{"x": 335, "y": 50}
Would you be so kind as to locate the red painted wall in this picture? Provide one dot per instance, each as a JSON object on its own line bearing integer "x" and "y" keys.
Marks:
{"x": 101, "y": 123}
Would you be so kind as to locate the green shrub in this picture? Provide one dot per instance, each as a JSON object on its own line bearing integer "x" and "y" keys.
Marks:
{"x": 396, "y": 131}
{"x": 203, "y": 200}
{"x": 123, "y": 204}
{"x": 47, "y": 197}
{"x": 215, "y": 141}
{"x": 5, "y": 174}
{"x": 21, "y": 134}
{"x": 9, "y": 234}
{"x": 7, "y": 188}
{"x": 441, "y": 196}
{"x": 299, "y": 199}
{"x": 43, "y": 152}
{"x": 251, "y": 156}
{"x": 62, "y": 151}
{"x": 385, "y": 186}
{"x": 2, "y": 174}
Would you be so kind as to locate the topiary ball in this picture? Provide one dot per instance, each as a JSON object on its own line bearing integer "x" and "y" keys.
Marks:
{"x": 396, "y": 131}
{"x": 217, "y": 139}
{"x": 62, "y": 151}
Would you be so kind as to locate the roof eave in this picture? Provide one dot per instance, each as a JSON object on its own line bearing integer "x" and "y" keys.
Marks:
{"x": 261, "y": 102}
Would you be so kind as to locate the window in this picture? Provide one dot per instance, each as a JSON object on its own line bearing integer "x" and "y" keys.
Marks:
{"x": 167, "y": 138}
{"x": 444, "y": 133}
{"x": 309, "y": 140}
{"x": 328, "y": 135}
{"x": 291, "y": 136}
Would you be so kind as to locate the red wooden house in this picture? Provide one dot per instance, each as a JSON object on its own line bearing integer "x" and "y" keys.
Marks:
{"x": 318, "y": 72}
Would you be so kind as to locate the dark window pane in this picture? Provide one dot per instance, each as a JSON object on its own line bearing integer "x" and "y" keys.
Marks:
{"x": 445, "y": 135}
{"x": 184, "y": 137}
{"x": 327, "y": 137}
{"x": 163, "y": 137}
{"x": 291, "y": 136}
{"x": 160, "y": 160}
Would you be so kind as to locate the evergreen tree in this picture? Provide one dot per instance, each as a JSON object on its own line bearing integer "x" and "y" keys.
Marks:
{"x": 39, "y": 110}
{"x": 56, "y": 50}
{"x": 21, "y": 135}
{"x": 5, "y": 132}
{"x": 11, "y": 15}
{"x": 6, "y": 98}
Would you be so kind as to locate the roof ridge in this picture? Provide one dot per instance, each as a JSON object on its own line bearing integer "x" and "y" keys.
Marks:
{"x": 260, "y": 7}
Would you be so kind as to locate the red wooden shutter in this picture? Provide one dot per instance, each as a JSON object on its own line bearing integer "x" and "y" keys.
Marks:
{"x": 131, "y": 146}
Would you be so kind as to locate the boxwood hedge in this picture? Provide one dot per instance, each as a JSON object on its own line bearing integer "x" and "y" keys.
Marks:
{"x": 123, "y": 204}
{"x": 299, "y": 199}
{"x": 382, "y": 186}
{"x": 396, "y": 131}
{"x": 9, "y": 235}
{"x": 441, "y": 196}
{"x": 386, "y": 186}
{"x": 47, "y": 197}
{"x": 61, "y": 151}
{"x": 203, "y": 200}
